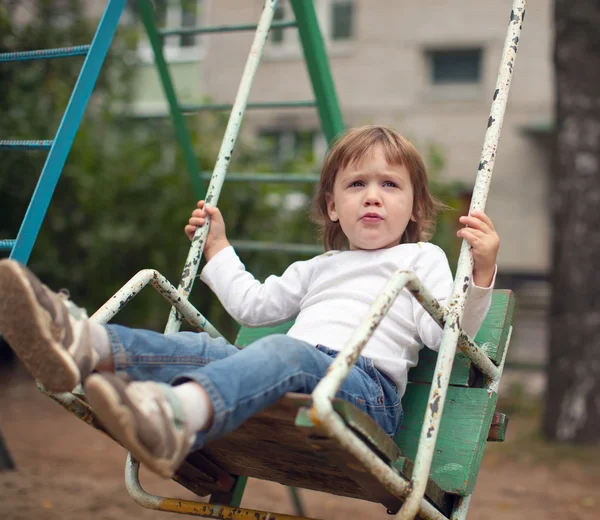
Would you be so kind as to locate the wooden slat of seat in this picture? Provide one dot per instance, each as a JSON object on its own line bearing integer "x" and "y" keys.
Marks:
{"x": 376, "y": 491}
{"x": 463, "y": 433}
{"x": 468, "y": 412}
{"x": 495, "y": 328}
{"x": 498, "y": 428}
{"x": 270, "y": 446}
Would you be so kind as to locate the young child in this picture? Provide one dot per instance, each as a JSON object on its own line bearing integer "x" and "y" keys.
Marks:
{"x": 185, "y": 389}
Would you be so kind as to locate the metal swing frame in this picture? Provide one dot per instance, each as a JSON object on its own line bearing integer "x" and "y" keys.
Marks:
{"x": 322, "y": 412}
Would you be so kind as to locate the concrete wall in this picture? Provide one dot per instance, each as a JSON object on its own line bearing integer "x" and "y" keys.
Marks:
{"x": 382, "y": 77}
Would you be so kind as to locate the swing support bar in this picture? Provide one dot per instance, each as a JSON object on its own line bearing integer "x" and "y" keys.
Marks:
{"x": 168, "y": 291}
{"x": 188, "y": 507}
{"x": 322, "y": 412}
{"x": 222, "y": 165}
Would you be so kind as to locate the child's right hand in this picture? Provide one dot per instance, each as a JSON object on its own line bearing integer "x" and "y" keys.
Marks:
{"x": 217, "y": 239}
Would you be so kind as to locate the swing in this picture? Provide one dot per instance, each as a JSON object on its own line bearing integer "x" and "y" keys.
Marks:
{"x": 430, "y": 466}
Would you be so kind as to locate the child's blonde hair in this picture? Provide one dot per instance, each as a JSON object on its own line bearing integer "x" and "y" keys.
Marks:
{"x": 352, "y": 147}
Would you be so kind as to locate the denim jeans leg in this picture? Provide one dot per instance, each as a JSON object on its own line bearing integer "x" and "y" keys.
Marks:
{"x": 241, "y": 383}
{"x": 148, "y": 355}
{"x": 258, "y": 376}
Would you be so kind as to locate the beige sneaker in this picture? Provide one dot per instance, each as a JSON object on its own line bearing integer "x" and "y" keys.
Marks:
{"x": 145, "y": 417}
{"x": 47, "y": 332}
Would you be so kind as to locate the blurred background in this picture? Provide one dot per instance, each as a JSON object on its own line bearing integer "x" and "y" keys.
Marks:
{"x": 427, "y": 69}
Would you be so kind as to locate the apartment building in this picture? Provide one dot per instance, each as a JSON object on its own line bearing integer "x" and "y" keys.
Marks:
{"x": 426, "y": 68}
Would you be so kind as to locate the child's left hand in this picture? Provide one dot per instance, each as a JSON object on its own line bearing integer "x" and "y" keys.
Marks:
{"x": 484, "y": 240}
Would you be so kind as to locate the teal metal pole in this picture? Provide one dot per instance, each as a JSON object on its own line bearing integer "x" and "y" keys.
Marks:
{"x": 181, "y": 130}
{"x": 318, "y": 68}
{"x": 61, "y": 145}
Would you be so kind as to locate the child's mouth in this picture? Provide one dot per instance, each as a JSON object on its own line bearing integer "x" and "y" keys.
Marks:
{"x": 371, "y": 217}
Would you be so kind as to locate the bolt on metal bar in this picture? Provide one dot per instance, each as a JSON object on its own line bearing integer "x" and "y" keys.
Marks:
{"x": 187, "y": 507}
{"x": 45, "y": 54}
{"x": 124, "y": 295}
{"x": 26, "y": 145}
{"x": 285, "y": 24}
{"x": 267, "y": 105}
{"x": 7, "y": 245}
{"x": 221, "y": 166}
{"x": 437, "y": 395}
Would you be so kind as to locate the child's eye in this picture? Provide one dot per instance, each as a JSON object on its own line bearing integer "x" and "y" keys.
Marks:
{"x": 391, "y": 184}
{"x": 355, "y": 184}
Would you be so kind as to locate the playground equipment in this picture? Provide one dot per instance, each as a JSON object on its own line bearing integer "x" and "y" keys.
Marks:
{"x": 430, "y": 467}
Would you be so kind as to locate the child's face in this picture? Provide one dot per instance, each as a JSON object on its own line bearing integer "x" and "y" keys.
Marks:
{"x": 373, "y": 202}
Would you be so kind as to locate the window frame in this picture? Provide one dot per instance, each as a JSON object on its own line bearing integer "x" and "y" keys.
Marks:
{"x": 172, "y": 49}
{"x": 454, "y": 90}
{"x": 290, "y": 46}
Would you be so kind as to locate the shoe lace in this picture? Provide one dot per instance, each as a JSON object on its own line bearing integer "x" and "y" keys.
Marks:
{"x": 146, "y": 397}
{"x": 75, "y": 311}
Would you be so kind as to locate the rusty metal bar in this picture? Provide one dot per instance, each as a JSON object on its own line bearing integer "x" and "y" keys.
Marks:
{"x": 322, "y": 413}
{"x": 462, "y": 504}
{"x": 439, "y": 386}
{"x": 124, "y": 295}
{"x": 187, "y": 507}
{"x": 221, "y": 166}
{"x": 461, "y": 508}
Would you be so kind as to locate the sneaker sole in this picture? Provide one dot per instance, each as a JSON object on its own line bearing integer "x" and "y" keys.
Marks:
{"x": 25, "y": 325}
{"x": 120, "y": 423}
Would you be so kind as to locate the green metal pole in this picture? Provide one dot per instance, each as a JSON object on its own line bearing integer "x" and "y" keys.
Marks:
{"x": 318, "y": 68}
{"x": 181, "y": 130}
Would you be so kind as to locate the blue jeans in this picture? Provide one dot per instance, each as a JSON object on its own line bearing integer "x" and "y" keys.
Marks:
{"x": 241, "y": 383}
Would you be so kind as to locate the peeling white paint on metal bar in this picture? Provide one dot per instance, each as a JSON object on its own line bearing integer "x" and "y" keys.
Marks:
{"x": 437, "y": 396}
{"x": 461, "y": 508}
{"x": 439, "y": 314}
{"x": 168, "y": 291}
{"x": 134, "y": 488}
{"x": 322, "y": 413}
{"x": 493, "y": 384}
{"x": 335, "y": 427}
{"x": 231, "y": 133}
{"x": 188, "y": 507}
{"x": 462, "y": 504}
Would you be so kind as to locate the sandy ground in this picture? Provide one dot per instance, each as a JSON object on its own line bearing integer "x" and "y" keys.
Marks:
{"x": 67, "y": 471}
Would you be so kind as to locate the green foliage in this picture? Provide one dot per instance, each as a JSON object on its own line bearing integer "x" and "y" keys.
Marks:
{"x": 124, "y": 197}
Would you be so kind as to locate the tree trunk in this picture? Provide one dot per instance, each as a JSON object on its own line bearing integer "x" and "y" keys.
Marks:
{"x": 573, "y": 396}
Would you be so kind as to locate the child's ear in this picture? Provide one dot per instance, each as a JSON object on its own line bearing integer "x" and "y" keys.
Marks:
{"x": 333, "y": 216}
{"x": 415, "y": 214}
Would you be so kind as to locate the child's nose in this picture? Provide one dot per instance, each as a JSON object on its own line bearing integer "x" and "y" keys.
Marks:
{"x": 372, "y": 197}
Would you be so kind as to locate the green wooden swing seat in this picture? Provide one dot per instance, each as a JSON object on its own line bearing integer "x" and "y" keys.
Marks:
{"x": 282, "y": 445}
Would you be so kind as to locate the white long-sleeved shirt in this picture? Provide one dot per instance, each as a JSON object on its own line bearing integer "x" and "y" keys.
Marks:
{"x": 330, "y": 294}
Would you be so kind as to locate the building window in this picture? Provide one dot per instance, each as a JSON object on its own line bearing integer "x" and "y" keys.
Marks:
{"x": 455, "y": 66}
{"x": 341, "y": 20}
{"x": 173, "y": 14}
{"x": 336, "y": 19}
{"x": 278, "y": 34}
{"x": 291, "y": 146}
